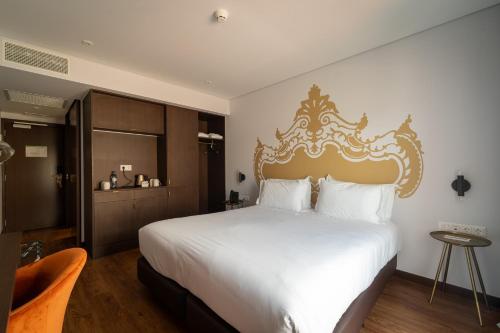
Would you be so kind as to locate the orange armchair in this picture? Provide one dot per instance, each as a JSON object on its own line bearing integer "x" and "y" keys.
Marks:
{"x": 42, "y": 291}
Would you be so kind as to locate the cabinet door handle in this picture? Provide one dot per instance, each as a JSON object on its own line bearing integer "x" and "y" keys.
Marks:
{"x": 169, "y": 182}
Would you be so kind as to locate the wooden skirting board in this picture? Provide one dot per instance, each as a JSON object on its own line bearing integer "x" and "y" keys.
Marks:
{"x": 493, "y": 300}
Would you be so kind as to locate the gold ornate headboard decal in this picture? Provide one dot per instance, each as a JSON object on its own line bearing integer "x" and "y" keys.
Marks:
{"x": 321, "y": 142}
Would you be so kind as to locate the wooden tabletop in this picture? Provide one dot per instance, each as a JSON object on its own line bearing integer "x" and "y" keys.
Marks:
{"x": 453, "y": 238}
{"x": 10, "y": 254}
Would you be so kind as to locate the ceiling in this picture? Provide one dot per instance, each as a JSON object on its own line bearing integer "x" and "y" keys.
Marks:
{"x": 262, "y": 43}
{"x": 30, "y": 82}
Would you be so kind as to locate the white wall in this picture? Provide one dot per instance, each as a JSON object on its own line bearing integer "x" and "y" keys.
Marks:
{"x": 448, "y": 79}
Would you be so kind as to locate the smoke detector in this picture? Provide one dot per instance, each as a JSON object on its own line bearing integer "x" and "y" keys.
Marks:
{"x": 221, "y": 15}
{"x": 86, "y": 42}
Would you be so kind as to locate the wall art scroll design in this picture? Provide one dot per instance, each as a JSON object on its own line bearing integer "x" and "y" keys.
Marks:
{"x": 320, "y": 142}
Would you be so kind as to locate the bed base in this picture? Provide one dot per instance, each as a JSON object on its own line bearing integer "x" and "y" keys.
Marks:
{"x": 200, "y": 318}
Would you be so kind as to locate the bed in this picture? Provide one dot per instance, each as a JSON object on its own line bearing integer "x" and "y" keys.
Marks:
{"x": 261, "y": 269}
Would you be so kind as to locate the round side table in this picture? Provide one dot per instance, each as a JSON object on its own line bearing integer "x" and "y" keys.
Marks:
{"x": 468, "y": 242}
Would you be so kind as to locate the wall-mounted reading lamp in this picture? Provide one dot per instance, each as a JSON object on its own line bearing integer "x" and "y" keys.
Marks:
{"x": 460, "y": 185}
{"x": 241, "y": 177}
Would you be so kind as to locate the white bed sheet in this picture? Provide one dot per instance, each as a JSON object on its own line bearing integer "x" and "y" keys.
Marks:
{"x": 270, "y": 270}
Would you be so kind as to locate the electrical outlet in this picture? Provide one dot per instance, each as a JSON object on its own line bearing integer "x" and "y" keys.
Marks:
{"x": 125, "y": 167}
{"x": 472, "y": 229}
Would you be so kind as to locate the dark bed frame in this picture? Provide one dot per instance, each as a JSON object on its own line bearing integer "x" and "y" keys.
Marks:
{"x": 200, "y": 318}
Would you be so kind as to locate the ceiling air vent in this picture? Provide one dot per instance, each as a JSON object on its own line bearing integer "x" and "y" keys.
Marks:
{"x": 34, "y": 99}
{"x": 35, "y": 58}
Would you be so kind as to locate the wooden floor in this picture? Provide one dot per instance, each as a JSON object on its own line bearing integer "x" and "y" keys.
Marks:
{"x": 53, "y": 240}
{"x": 109, "y": 298}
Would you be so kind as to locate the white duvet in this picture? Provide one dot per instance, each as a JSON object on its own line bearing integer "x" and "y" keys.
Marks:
{"x": 269, "y": 270}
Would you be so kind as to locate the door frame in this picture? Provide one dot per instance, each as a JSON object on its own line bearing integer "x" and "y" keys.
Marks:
{"x": 77, "y": 105}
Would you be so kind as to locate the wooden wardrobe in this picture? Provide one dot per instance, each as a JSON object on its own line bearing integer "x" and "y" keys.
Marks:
{"x": 160, "y": 141}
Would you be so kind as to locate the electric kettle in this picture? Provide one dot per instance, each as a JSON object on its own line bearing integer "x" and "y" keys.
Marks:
{"x": 139, "y": 179}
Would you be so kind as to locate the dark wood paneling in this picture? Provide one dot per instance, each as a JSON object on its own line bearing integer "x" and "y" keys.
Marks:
{"x": 113, "y": 149}
{"x": 182, "y": 147}
{"x": 203, "y": 179}
{"x": 182, "y": 201}
{"x": 152, "y": 209}
{"x": 72, "y": 168}
{"x": 88, "y": 194}
{"x": 172, "y": 155}
{"x": 114, "y": 222}
{"x": 10, "y": 251}
{"x": 32, "y": 181}
{"x": 111, "y": 125}
{"x": 126, "y": 114}
{"x": 112, "y": 196}
{"x": 182, "y": 162}
{"x": 118, "y": 215}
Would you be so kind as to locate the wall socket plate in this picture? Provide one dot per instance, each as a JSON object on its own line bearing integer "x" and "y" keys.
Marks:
{"x": 471, "y": 229}
{"x": 125, "y": 167}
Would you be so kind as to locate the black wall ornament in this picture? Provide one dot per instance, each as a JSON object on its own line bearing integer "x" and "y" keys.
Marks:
{"x": 460, "y": 185}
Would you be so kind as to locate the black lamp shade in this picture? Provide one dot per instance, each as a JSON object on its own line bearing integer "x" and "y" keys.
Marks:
{"x": 461, "y": 185}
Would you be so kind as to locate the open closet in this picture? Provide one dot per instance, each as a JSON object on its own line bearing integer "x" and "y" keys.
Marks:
{"x": 211, "y": 136}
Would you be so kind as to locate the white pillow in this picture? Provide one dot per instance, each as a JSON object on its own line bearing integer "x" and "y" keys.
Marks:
{"x": 387, "y": 201}
{"x": 349, "y": 201}
{"x": 286, "y": 194}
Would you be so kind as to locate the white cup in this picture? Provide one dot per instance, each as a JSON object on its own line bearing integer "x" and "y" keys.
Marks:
{"x": 105, "y": 185}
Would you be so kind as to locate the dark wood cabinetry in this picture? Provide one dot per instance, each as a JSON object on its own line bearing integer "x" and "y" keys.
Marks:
{"x": 113, "y": 225}
{"x": 121, "y": 131}
{"x": 150, "y": 206}
{"x": 118, "y": 215}
{"x": 182, "y": 161}
{"x": 182, "y": 201}
{"x": 126, "y": 114}
{"x": 158, "y": 141}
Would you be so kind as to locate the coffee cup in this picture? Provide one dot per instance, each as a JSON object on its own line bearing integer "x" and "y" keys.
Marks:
{"x": 105, "y": 185}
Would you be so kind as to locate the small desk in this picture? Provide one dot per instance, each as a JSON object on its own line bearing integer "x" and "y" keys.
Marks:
{"x": 449, "y": 239}
{"x": 10, "y": 254}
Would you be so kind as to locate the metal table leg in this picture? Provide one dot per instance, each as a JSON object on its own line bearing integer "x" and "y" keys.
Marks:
{"x": 479, "y": 277}
{"x": 473, "y": 282}
{"x": 448, "y": 255}
{"x": 438, "y": 273}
